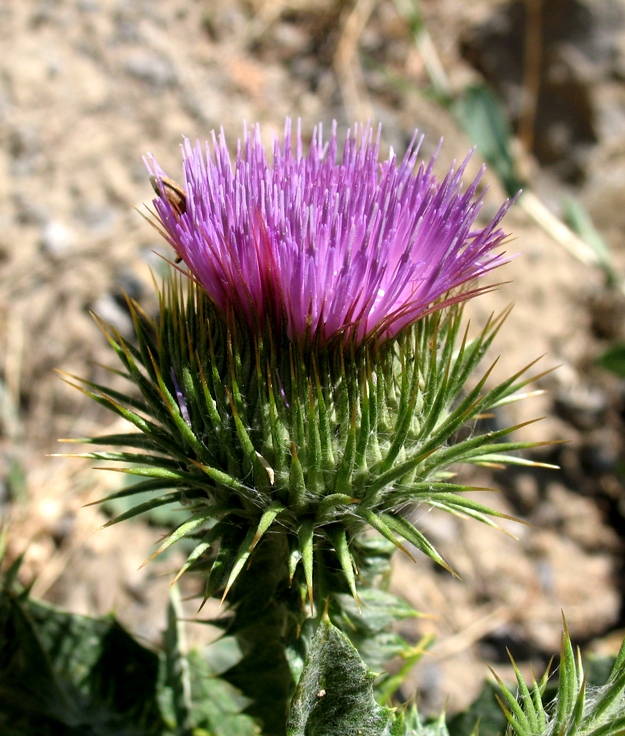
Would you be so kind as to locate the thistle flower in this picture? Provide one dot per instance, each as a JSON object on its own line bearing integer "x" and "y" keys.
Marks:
{"x": 308, "y": 381}
{"x": 278, "y": 450}
{"x": 320, "y": 248}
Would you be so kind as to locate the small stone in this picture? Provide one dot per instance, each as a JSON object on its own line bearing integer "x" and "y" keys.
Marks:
{"x": 56, "y": 238}
{"x": 154, "y": 70}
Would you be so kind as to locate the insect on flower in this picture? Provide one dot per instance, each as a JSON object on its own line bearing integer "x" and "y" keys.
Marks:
{"x": 173, "y": 193}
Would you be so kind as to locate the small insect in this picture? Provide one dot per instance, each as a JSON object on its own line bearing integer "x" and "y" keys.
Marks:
{"x": 172, "y": 192}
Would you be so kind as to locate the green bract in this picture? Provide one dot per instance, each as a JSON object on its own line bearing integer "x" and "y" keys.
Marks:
{"x": 256, "y": 439}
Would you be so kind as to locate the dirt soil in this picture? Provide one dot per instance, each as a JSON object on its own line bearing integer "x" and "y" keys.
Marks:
{"x": 87, "y": 87}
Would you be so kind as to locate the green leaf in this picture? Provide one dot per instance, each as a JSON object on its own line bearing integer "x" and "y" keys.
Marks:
{"x": 222, "y": 564}
{"x": 129, "y": 439}
{"x": 329, "y": 504}
{"x": 138, "y": 493}
{"x": 531, "y": 700}
{"x": 484, "y": 120}
{"x": 176, "y": 666}
{"x": 368, "y": 623}
{"x": 335, "y": 692}
{"x": 580, "y": 222}
{"x": 146, "y": 506}
{"x": 297, "y": 482}
{"x": 62, "y": 673}
{"x": 613, "y": 359}
{"x": 197, "y": 698}
{"x": 67, "y": 675}
{"x": 484, "y": 711}
{"x": 514, "y": 713}
{"x": 608, "y": 709}
{"x": 216, "y": 706}
{"x": 408, "y": 723}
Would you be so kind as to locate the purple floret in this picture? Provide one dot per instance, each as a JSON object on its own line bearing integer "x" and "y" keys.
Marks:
{"x": 324, "y": 247}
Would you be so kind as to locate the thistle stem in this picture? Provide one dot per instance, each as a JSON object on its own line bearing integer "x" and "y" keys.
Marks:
{"x": 268, "y": 617}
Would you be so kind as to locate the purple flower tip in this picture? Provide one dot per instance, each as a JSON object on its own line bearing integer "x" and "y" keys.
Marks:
{"x": 324, "y": 246}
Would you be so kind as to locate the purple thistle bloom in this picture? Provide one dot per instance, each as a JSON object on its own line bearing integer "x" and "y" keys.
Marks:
{"x": 323, "y": 249}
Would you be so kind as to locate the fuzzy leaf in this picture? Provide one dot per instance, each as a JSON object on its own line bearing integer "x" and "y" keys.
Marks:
{"x": 462, "y": 506}
{"x": 224, "y": 560}
{"x": 343, "y": 482}
{"x": 158, "y": 461}
{"x": 335, "y": 692}
{"x": 137, "y": 440}
{"x": 568, "y": 682}
{"x": 297, "y": 482}
{"x": 67, "y": 674}
{"x": 329, "y": 504}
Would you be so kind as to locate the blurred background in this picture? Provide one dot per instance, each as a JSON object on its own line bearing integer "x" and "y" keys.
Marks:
{"x": 88, "y": 87}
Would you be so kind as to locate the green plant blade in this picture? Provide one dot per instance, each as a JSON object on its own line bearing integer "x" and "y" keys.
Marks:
{"x": 335, "y": 692}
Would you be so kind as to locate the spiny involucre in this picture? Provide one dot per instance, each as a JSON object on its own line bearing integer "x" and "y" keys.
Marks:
{"x": 310, "y": 380}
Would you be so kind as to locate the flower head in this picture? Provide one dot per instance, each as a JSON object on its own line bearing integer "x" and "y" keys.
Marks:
{"x": 321, "y": 245}
{"x": 288, "y": 454}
